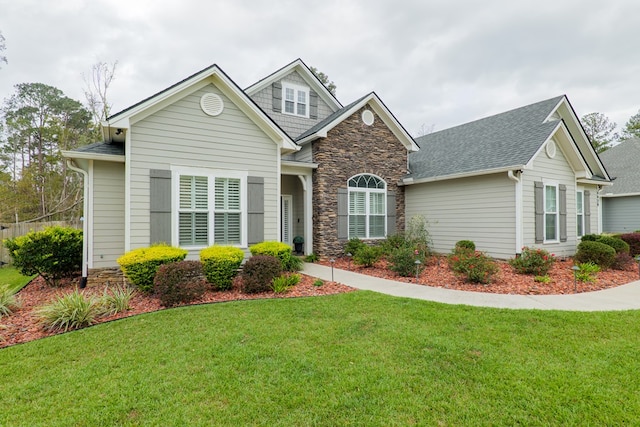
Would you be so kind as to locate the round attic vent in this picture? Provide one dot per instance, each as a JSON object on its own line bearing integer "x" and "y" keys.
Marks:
{"x": 551, "y": 149}
{"x": 367, "y": 117}
{"x": 211, "y": 104}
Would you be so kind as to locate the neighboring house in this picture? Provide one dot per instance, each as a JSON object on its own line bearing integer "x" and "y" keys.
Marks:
{"x": 621, "y": 201}
{"x": 526, "y": 177}
{"x": 204, "y": 162}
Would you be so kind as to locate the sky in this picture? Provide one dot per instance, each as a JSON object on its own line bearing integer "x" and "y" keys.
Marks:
{"x": 434, "y": 63}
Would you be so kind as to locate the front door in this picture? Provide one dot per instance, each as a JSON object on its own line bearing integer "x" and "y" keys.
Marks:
{"x": 286, "y": 215}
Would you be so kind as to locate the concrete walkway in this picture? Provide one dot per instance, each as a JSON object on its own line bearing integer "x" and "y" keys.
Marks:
{"x": 625, "y": 297}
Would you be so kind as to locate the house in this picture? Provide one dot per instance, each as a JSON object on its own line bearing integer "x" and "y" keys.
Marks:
{"x": 525, "y": 177}
{"x": 621, "y": 201}
{"x": 205, "y": 162}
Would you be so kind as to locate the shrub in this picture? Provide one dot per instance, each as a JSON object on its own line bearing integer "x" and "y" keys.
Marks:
{"x": 623, "y": 261}
{"x": 8, "y": 300}
{"x": 53, "y": 253}
{"x": 418, "y": 234}
{"x": 258, "y": 273}
{"x": 220, "y": 265}
{"x": 616, "y": 243}
{"x": 179, "y": 283}
{"x": 318, "y": 282}
{"x": 587, "y": 272}
{"x": 116, "y": 301}
{"x": 279, "y": 250}
{"x": 354, "y": 245}
{"x": 465, "y": 244}
{"x": 589, "y": 238}
{"x": 403, "y": 261}
{"x": 532, "y": 261}
{"x": 394, "y": 242}
{"x": 595, "y": 252}
{"x": 633, "y": 240}
{"x": 367, "y": 256}
{"x": 542, "y": 279}
{"x": 311, "y": 258}
{"x": 282, "y": 284}
{"x": 140, "y": 265}
{"x": 475, "y": 266}
{"x": 70, "y": 311}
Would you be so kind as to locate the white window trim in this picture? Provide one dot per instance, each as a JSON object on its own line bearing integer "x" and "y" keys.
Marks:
{"x": 578, "y": 220}
{"x": 211, "y": 174}
{"x": 296, "y": 89}
{"x": 557, "y": 211}
{"x": 368, "y": 192}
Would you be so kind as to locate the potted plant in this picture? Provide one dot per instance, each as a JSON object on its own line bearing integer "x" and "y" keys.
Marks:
{"x": 298, "y": 241}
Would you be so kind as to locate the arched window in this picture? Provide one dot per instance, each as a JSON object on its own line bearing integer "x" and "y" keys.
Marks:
{"x": 367, "y": 207}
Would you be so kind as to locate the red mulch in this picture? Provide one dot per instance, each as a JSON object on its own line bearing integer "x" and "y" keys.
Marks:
{"x": 436, "y": 273}
{"x": 22, "y": 325}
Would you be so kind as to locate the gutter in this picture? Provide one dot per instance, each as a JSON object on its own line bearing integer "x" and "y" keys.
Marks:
{"x": 85, "y": 222}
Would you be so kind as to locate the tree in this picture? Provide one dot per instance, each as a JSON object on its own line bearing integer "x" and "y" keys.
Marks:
{"x": 96, "y": 89}
{"x": 600, "y": 130}
{"x": 3, "y": 46}
{"x": 632, "y": 127}
{"x": 324, "y": 79}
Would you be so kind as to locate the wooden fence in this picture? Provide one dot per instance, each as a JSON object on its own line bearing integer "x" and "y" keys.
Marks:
{"x": 10, "y": 231}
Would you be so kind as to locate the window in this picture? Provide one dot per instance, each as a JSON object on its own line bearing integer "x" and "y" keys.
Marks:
{"x": 550, "y": 212}
{"x": 296, "y": 100}
{"x": 210, "y": 210}
{"x": 580, "y": 213}
{"x": 367, "y": 207}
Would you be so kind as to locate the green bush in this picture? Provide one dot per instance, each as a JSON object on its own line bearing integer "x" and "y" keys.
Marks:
{"x": 8, "y": 300}
{"x": 394, "y": 242}
{"x": 623, "y": 261}
{"x": 179, "y": 283}
{"x": 533, "y": 261}
{"x": 258, "y": 273}
{"x": 313, "y": 257}
{"x": 633, "y": 240}
{"x": 475, "y": 266}
{"x": 465, "y": 244}
{"x": 70, "y": 311}
{"x": 403, "y": 261}
{"x": 353, "y": 246}
{"x": 220, "y": 265}
{"x": 279, "y": 250}
{"x": 589, "y": 238}
{"x": 367, "y": 256}
{"x": 616, "y": 243}
{"x": 318, "y": 282}
{"x": 595, "y": 252}
{"x": 587, "y": 272}
{"x": 53, "y": 253}
{"x": 140, "y": 265}
{"x": 115, "y": 300}
{"x": 282, "y": 284}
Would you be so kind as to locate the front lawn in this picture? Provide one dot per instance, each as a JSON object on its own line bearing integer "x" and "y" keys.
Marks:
{"x": 351, "y": 359}
{"x": 10, "y": 276}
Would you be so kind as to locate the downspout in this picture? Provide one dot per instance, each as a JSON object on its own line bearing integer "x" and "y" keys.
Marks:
{"x": 516, "y": 177}
{"x": 85, "y": 222}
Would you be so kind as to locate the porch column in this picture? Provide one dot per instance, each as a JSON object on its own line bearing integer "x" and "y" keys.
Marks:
{"x": 307, "y": 188}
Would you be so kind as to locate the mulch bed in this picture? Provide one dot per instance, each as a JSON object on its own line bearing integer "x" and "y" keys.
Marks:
{"x": 23, "y": 326}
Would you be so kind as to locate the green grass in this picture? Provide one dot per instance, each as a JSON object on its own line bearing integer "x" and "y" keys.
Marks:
{"x": 10, "y": 276}
{"x": 351, "y": 359}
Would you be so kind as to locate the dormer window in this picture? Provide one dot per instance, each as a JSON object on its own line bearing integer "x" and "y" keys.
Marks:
{"x": 295, "y": 100}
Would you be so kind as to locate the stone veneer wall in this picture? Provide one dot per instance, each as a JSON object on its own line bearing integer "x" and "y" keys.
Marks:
{"x": 106, "y": 276}
{"x": 353, "y": 148}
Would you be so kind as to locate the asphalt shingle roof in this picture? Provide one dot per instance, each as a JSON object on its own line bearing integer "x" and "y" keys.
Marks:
{"x": 102, "y": 148}
{"x": 500, "y": 141}
{"x": 621, "y": 161}
{"x": 329, "y": 119}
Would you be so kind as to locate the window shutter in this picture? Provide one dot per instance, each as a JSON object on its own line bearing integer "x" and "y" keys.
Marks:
{"x": 313, "y": 105}
{"x": 343, "y": 213}
{"x": 539, "y": 210}
{"x": 391, "y": 213}
{"x": 563, "y": 212}
{"x": 587, "y": 212}
{"x": 255, "y": 209}
{"x": 160, "y": 206}
{"x": 276, "y": 89}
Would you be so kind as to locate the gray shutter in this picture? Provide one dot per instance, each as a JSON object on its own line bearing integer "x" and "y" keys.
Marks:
{"x": 255, "y": 209}
{"x": 587, "y": 212}
{"x": 160, "y": 206}
{"x": 563, "y": 212}
{"x": 276, "y": 89}
{"x": 313, "y": 105}
{"x": 343, "y": 213}
{"x": 538, "y": 196}
{"x": 391, "y": 213}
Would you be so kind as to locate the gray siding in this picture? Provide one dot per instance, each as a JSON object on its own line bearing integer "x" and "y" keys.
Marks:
{"x": 481, "y": 209}
{"x": 620, "y": 214}
{"x": 108, "y": 213}
{"x": 292, "y": 125}
{"x": 182, "y": 135}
